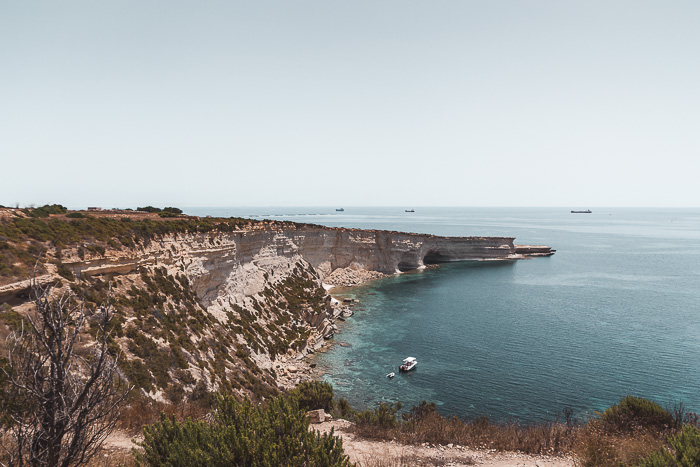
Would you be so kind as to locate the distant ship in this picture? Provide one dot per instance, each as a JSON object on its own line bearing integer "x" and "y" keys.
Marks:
{"x": 587, "y": 211}
{"x": 410, "y": 210}
{"x": 340, "y": 210}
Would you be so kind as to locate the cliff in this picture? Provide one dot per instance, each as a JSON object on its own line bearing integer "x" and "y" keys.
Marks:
{"x": 239, "y": 263}
{"x": 229, "y": 303}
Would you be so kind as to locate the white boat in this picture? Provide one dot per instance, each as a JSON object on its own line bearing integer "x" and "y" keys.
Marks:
{"x": 409, "y": 363}
{"x": 391, "y": 375}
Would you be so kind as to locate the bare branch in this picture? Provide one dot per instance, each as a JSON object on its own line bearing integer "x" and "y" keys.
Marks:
{"x": 67, "y": 403}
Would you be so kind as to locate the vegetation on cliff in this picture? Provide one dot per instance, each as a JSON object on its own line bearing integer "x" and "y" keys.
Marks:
{"x": 174, "y": 349}
{"x": 34, "y": 237}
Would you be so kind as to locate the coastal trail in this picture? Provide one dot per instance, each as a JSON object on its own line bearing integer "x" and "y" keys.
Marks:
{"x": 369, "y": 453}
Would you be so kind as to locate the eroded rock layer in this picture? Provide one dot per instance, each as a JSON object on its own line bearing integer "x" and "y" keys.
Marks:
{"x": 239, "y": 305}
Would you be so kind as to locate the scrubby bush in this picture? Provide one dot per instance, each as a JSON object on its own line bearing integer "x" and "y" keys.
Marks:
{"x": 150, "y": 209}
{"x": 634, "y": 413}
{"x": 420, "y": 412}
{"x": 383, "y": 416}
{"x": 686, "y": 450}
{"x": 46, "y": 210}
{"x": 165, "y": 212}
{"x": 65, "y": 272}
{"x": 343, "y": 407}
{"x": 312, "y": 395}
{"x": 76, "y": 215}
{"x": 243, "y": 433}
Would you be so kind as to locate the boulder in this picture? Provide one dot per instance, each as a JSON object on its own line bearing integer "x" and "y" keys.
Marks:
{"x": 318, "y": 416}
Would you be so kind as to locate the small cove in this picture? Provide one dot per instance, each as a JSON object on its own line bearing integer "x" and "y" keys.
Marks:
{"x": 614, "y": 312}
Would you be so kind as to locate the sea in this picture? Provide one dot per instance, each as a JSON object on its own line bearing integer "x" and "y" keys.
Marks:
{"x": 615, "y": 311}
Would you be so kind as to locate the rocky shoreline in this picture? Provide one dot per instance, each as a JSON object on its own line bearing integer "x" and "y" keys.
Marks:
{"x": 292, "y": 370}
{"x": 346, "y": 277}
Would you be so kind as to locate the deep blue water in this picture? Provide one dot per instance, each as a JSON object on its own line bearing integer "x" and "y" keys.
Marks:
{"x": 615, "y": 311}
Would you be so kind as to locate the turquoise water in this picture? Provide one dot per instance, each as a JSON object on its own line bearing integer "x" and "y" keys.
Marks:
{"x": 615, "y": 311}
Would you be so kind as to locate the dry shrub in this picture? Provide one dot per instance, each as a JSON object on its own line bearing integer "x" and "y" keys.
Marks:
{"x": 625, "y": 434}
{"x": 545, "y": 438}
{"x": 596, "y": 447}
{"x": 112, "y": 458}
{"x": 431, "y": 427}
{"x": 142, "y": 410}
{"x": 410, "y": 460}
{"x": 139, "y": 412}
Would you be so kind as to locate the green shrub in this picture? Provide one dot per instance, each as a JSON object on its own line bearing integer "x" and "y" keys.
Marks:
{"x": 685, "y": 445}
{"x": 242, "y": 433}
{"x": 633, "y": 413}
{"x": 76, "y": 215}
{"x": 11, "y": 318}
{"x": 45, "y": 210}
{"x": 65, "y": 272}
{"x": 312, "y": 395}
{"x": 383, "y": 416}
{"x": 150, "y": 209}
{"x": 421, "y": 412}
{"x": 343, "y": 407}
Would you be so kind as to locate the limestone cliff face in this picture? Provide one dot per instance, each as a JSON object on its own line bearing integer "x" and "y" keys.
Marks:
{"x": 244, "y": 301}
{"x": 236, "y": 265}
{"x": 239, "y": 264}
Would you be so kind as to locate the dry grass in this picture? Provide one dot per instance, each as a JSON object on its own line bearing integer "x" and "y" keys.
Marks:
{"x": 112, "y": 458}
{"x": 551, "y": 438}
{"x": 593, "y": 444}
{"x": 596, "y": 448}
{"x": 409, "y": 460}
{"x": 141, "y": 411}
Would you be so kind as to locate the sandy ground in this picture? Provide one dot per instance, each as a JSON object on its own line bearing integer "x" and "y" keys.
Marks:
{"x": 390, "y": 453}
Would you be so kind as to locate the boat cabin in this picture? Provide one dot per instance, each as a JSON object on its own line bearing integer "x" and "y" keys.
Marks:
{"x": 408, "y": 364}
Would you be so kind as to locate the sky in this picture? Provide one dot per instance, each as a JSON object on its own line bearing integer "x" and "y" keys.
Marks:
{"x": 577, "y": 103}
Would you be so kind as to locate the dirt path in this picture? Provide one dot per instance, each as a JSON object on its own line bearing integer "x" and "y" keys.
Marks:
{"x": 367, "y": 453}
{"x": 390, "y": 453}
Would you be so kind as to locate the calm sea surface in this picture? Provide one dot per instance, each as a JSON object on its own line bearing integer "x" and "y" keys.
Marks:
{"x": 615, "y": 311}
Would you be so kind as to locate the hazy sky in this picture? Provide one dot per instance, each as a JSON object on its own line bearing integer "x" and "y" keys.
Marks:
{"x": 408, "y": 103}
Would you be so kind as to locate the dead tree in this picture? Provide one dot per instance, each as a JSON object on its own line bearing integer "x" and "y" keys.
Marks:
{"x": 66, "y": 398}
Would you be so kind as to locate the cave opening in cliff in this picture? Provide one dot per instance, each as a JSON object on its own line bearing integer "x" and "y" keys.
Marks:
{"x": 434, "y": 257}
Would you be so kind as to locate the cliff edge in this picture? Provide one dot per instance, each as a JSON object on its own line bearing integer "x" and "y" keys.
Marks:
{"x": 215, "y": 303}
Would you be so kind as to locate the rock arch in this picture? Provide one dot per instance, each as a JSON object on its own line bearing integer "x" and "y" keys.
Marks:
{"x": 409, "y": 260}
{"x": 435, "y": 257}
